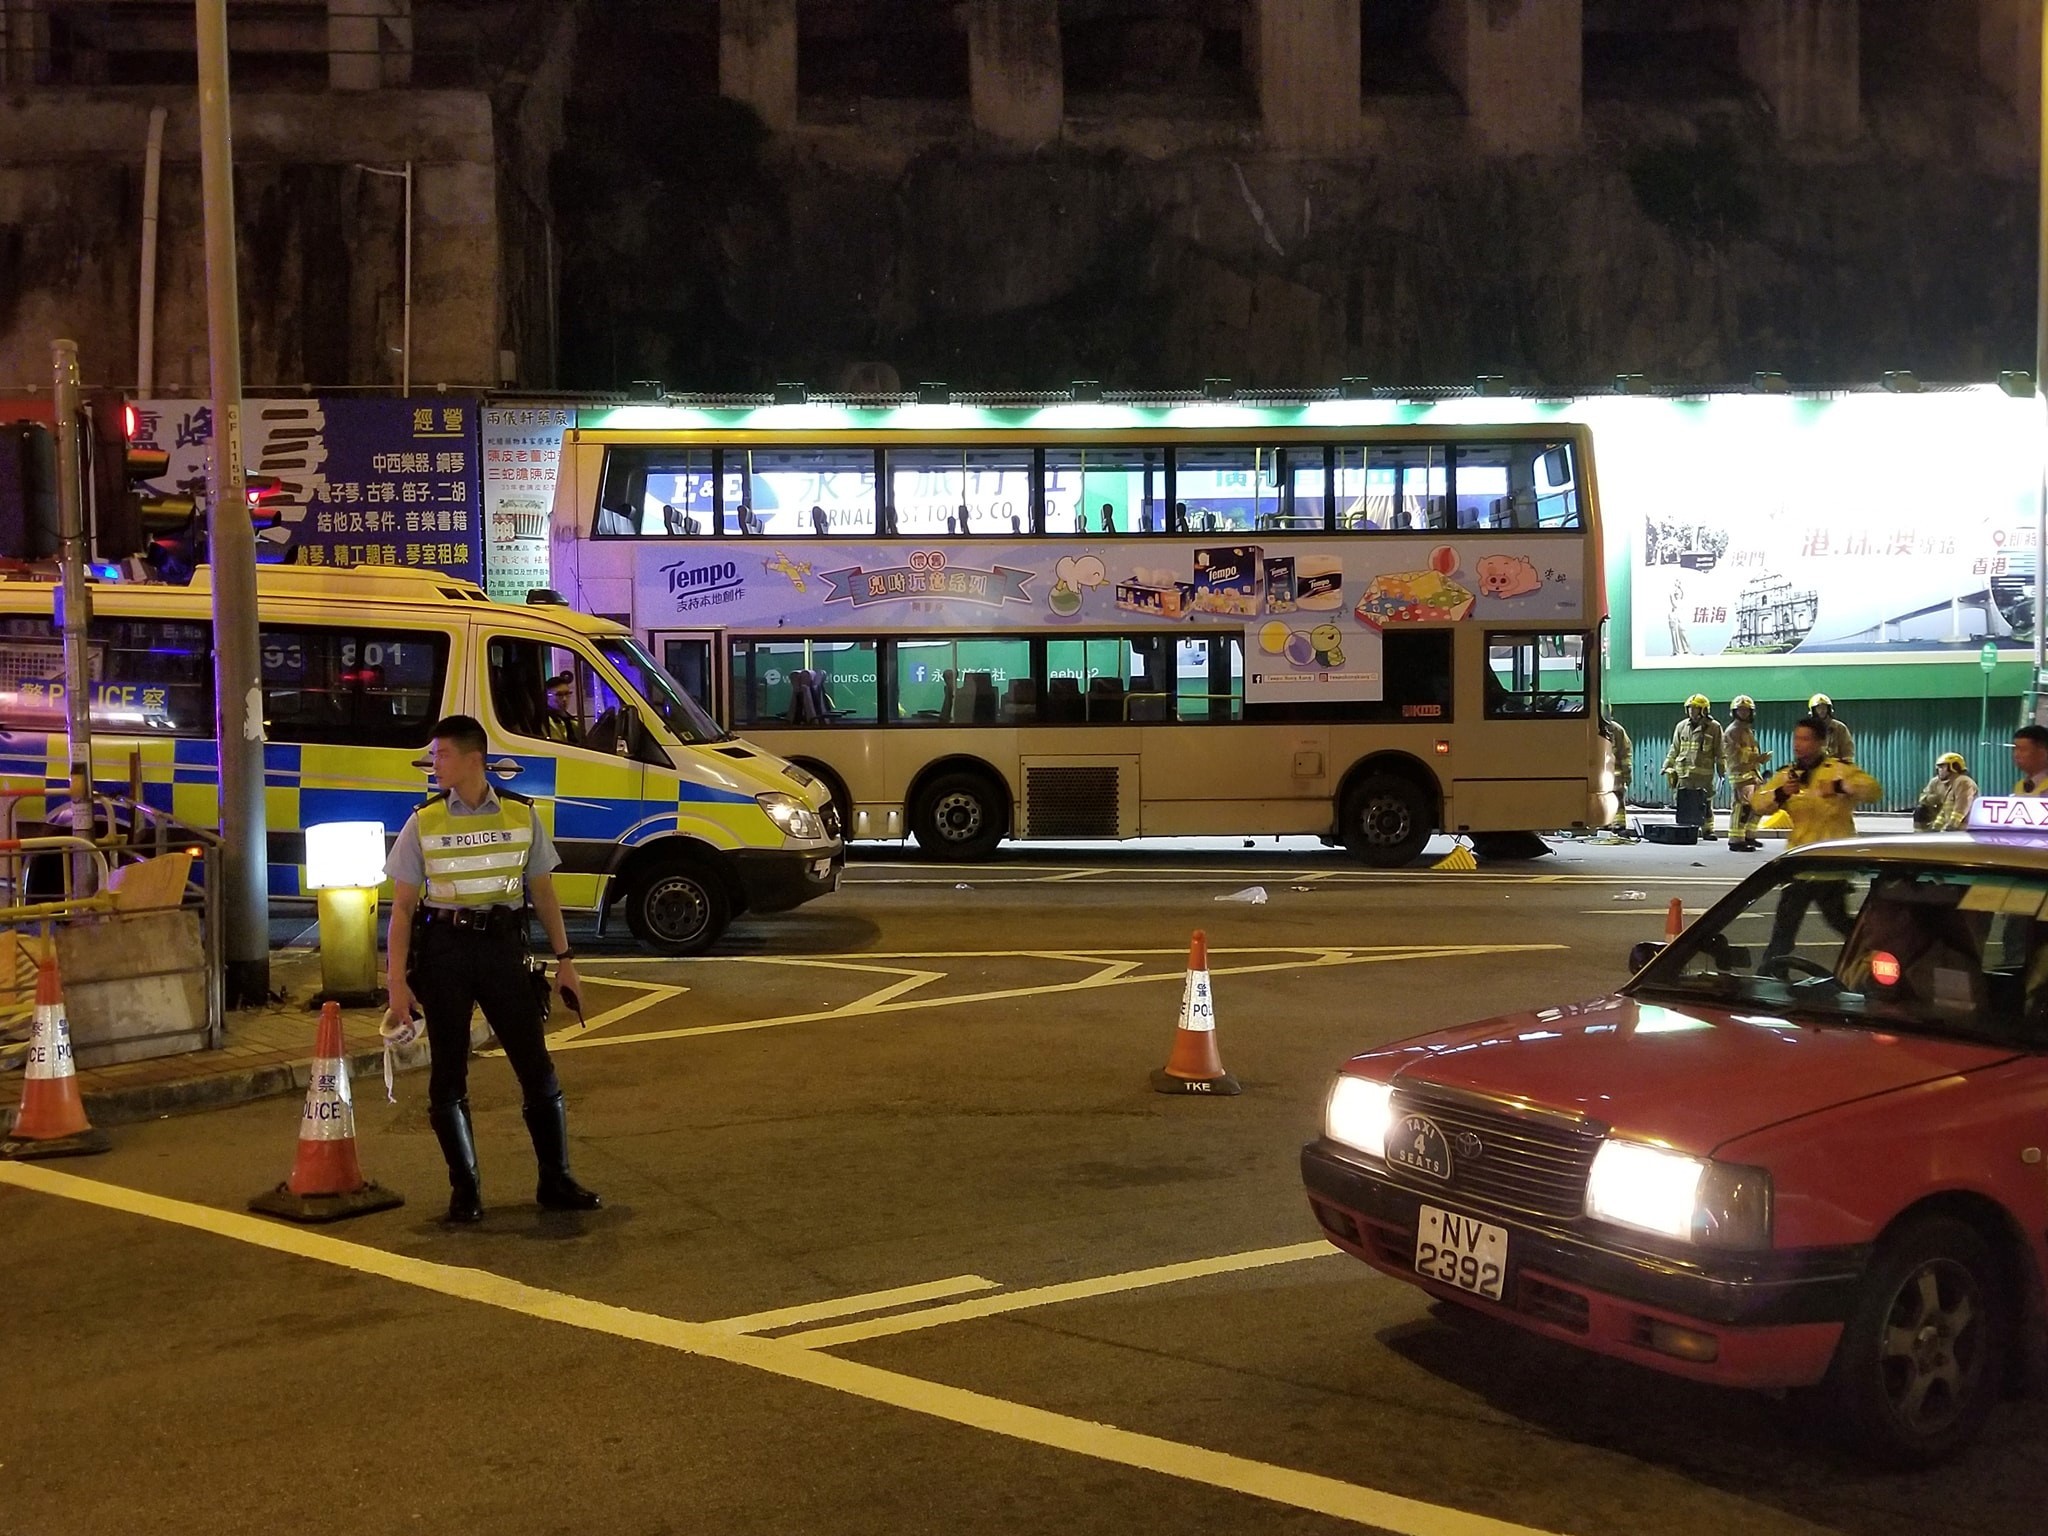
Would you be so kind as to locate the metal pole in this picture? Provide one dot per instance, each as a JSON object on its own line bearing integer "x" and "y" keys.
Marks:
{"x": 76, "y": 600}
{"x": 231, "y": 543}
{"x": 2034, "y": 700}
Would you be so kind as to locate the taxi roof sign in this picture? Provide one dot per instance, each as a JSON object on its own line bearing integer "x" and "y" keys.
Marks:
{"x": 2008, "y": 813}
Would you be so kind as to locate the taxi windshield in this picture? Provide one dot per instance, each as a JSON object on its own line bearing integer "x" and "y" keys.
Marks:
{"x": 683, "y": 715}
{"x": 1917, "y": 949}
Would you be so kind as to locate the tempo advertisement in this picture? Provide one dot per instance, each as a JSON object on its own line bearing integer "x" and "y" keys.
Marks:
{"x": 1758, "y": 530}
{"x": 1311, "y": 611}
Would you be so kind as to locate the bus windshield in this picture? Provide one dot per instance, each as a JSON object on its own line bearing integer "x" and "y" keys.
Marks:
{"x": 679, "y": 712}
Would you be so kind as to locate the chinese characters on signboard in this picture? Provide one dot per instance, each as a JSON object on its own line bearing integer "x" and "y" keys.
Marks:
{"x": 522, "y": 453}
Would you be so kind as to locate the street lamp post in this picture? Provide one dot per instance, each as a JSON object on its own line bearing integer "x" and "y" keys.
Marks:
{"x": 2034, "y": 698}
{"x": 231, "y": 550}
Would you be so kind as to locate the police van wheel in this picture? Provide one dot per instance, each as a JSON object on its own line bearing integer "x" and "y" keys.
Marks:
{"x": 1386, "y": 821}
{"x": 678, "y": 908}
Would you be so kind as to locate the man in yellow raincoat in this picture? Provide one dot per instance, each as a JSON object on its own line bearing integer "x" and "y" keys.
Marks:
{"x": 1819, "y": 795}
{"x": 1743, "y": 759}
{"x": 1945, "y": 802}
{"x": 1692, "y": 764}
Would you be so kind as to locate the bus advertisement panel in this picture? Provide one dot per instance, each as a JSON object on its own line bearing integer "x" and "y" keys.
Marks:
{"x": 1312, "y": 611}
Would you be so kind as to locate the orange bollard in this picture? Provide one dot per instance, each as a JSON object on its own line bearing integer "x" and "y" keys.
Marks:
{"x": 327, "y": 1182}
{"x": 51, "y": 1121}
{"x": 1674, "y": 920}
{"x": 1195, "y": 1066}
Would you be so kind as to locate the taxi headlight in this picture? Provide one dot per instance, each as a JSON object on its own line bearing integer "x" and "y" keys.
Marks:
{"x": 1695, "y": 1199}
{"x": 1358, "y": 1113}
{"x": 796, "y": 819}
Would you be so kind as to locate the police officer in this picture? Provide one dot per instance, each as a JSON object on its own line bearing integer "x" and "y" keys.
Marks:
{"x": 1692, "y": 763}
{"x": 1840, "y": 745}
{"x": 480, "y": 854}
{"x": 1743, "y": 759}
{"x": 2030, "y": 760}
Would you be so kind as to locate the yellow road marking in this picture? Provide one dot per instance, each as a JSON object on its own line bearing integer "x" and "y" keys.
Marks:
{"x": 975, "y": 1410}
{"x": 653, "y": 992}
{"x": 1071, "y": 874}
{"x": 588, "y": 1042}
{"x": 848, "y": 1306}
{"x": 1090, "y": 953}
{"x": 1048, "y": 1295}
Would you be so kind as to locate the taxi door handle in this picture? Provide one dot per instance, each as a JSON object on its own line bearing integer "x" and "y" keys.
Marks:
{"x": 505, "y": 767}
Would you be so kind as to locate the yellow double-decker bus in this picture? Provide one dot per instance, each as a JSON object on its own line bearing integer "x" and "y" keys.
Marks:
{"x": 1349, "y": 619}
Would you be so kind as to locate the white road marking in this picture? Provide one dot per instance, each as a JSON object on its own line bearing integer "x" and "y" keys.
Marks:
{"x": 1049, "y": 1295}
{"x": 585, "y": 1041}
{"x": 976, "y": 1410}
{"x": 653, "y": 992}
{"x": 851, "y": 1306}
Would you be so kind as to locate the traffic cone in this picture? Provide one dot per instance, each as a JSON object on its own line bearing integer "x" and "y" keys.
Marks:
{"x": 1459, "y": 859}
{"x": 1674, "y": 919}
{"x": 51, "y": 1121}
{"x": 326, "y": 1181}
{"x": 1194, "y": 1065}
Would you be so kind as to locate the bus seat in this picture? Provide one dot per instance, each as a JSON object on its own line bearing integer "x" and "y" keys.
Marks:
{"x": 1022, "y": 702}
{"x": 1063, "y": 699}
{"x": 1106, "y": 698}
{"x": 980, "y": 689}
{"x": 1149, "y": 707}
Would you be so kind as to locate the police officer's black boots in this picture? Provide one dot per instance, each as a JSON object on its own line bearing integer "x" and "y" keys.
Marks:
{"x": 547, "y": 1122}
{"x": 458, "y": 1146}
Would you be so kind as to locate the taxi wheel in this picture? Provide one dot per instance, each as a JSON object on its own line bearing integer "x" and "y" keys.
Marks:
{"x": 678, "y": 908}
{"x": 1923, "y": 1355}
{"x": 1386, "y": 821}
{"x": 960, "y": 816}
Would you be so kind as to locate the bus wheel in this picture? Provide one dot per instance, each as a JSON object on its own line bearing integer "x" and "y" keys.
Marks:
{"x": 959, "y": 815}
{"x": 678, "y": 908}
{"x": 1386, "y": 821}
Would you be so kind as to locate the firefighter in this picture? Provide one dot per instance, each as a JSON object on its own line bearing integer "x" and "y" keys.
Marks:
{"x": 2030, "y": 760}
{"x": 1692, "y": 764}
{"x": 480, "y": 856}
{"x": 1945, "y": 802}
{"x": 1841, "y": 746}
{"x": 1744, "y": 761}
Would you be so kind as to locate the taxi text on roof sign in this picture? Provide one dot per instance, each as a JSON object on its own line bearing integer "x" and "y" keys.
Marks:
{"x": 2007, "y": 813}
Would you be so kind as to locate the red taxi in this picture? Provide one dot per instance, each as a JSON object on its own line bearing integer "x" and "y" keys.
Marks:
{"x": 1801, "y": 1148}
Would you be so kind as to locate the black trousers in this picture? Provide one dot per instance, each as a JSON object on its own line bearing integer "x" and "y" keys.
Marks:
{"x": 452, "y": 971}
{"x": 1796, "y": 900}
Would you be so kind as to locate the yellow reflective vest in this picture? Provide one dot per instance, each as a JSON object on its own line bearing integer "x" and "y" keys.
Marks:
{"x": 1821, "y": 807}
{"x": 479, "y": 860}
{"x": 1743, "y": 759}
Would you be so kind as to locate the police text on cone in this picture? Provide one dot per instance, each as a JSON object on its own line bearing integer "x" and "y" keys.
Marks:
{"x": 1195, "y": 1065}
{"x": 51, "y": 1121}
{"x": 326, "y": 1181}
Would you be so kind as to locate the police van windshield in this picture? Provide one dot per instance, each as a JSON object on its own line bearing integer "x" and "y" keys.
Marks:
{"x": 1906, "y": 948}
{"x": 679, "y": 712}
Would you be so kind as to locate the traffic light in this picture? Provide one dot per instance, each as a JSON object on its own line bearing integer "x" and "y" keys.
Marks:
{"x": 128, "y": 508}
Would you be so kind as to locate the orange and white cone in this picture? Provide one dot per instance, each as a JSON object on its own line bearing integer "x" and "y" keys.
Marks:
{"x": 1194, "y": 1065}
{"x": 1674, "y": 920}
{"x": 327, "y": 1181}
{"x": 51, "y": 1121}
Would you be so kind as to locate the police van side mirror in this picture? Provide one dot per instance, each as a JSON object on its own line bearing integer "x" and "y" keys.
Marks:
{"x": 1643, "y": 953}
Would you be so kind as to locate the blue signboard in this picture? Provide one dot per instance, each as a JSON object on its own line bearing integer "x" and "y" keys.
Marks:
{"x": 358, "y": 481}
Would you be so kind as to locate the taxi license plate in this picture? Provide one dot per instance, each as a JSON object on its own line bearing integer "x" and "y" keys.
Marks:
{"x": 1456, "y": 1250}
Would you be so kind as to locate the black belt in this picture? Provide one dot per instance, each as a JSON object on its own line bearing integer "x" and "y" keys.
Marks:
{"x": 486, "y": 920}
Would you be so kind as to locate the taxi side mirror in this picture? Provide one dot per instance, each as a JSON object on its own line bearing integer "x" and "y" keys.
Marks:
{"x": 1643, "y": 953}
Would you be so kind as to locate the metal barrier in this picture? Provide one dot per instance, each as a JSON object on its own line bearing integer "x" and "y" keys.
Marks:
{"x": 140, "y": 954}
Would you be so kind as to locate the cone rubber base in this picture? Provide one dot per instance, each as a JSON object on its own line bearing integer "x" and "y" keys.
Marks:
{"x": 1212, "y": 1088}
{"x": 24, "y": 1149}
{"x": 322, "y": 1208}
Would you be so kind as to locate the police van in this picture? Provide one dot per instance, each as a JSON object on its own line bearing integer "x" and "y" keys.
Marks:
{"x": 653, "y": 806}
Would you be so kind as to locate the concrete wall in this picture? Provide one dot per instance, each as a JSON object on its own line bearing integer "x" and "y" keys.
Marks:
{"x": 321, "y": 240}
